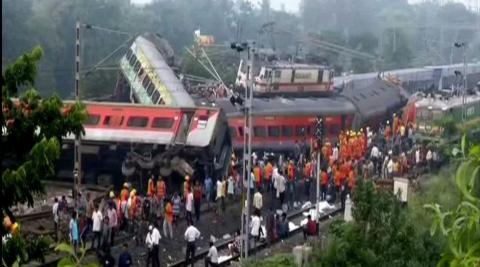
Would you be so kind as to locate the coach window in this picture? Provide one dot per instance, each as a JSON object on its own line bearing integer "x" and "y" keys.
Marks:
{"x": 140, "y": 73}
{"x": 113, "y": 120}
{"x": 240, "y": 130}
{"x": 287, "y": 131}
{"x": 233, "y": 132}
{"x": 334, "y": 129}
{"x": 137, "y": 66}
{"x": 259, "y": 131}
{"x": 155, "y": 97}
{"x": 300, "y": 130}
{"x": 132, "y": 60}
{"x": 136, "y": 121}
{"x": 162, "y": 123}
{"x": 273, "y": 131}
{"x": 278, "y": 73}
{"x": 129, "y": 54}
{"x": 150, "y": 89}
{"x": 146, "y": 81}
{"x": 92, "y": 119}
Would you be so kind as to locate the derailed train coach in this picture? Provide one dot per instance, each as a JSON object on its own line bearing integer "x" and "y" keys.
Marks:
{"x": 280, "y": 122}
{"x": 125, "y": 140}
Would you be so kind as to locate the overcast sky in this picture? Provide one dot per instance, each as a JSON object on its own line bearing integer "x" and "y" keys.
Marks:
{"x": 293, "y": 5}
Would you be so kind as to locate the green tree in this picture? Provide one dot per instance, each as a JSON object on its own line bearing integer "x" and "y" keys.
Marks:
{"x": 32, "y": 132}
{"x": 381, "y": 234}
{"x": 461, "y": 226}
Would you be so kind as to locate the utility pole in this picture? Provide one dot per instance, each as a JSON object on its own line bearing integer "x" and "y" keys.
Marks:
{"x": 463, "y": 45}
{"x": 250, "y": 79}
{"x": 77, "y": 153}
{"x": 247, "y": 139}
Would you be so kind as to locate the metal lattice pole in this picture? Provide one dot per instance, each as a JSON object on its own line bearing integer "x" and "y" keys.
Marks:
{"x": 77, "y": 153}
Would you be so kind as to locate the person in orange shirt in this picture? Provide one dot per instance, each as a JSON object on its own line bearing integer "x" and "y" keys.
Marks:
{"x": 161, "y": 189}
{"x": 338, "y": 178}
{"x": 167, "y": 223}
{"x": 291, "y": 182}
{"x": 124, "y": 193}
{"x": 268, "y": 176}
{"x": 388, "y": 132}
{"x": 151, "y": 187}
{"x": 351, "y": 180}
{"x": 307, "y": 178}
{"x": 324, "y": 184}
{"x": 257, "y": 172}
{"x": 186, "y": 187}
{"x": 395, "y": 124}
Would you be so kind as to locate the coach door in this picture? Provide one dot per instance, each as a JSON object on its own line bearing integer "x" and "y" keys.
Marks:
{"x": 184, "y": 127}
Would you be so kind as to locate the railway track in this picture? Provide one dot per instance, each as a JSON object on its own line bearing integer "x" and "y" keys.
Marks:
{"x": 222, "y": 245}
{"x": 40, "y": 216}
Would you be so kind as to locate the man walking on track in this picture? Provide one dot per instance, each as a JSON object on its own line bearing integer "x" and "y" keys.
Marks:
{"x": 191, "y": 235}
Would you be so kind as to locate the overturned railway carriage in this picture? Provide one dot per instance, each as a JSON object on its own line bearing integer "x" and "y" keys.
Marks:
{"x": 148, "y": 79}
{"x": 280, "y": 122}
{"x": 140, "y": 137}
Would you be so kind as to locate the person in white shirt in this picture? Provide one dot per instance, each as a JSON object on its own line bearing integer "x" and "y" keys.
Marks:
{"x": 258, "y": 200}
{"x": 390, "y": 168}
{"x": 212, "y": 257}
{"x": 55, "y": 217}
{"x": 97, "y": 219}
{"x": 429, "y": 158}
{"x": 220, "y": 195}
{"x": 189, "y": 207}
{"x": 153, "y": 242}
{"x": 191, "y": 235}
{"x": 375, "y": 155}
{"x": 256, "y": 228}
{"x": 335, "y": 153}
{"x": 280, "y": 185}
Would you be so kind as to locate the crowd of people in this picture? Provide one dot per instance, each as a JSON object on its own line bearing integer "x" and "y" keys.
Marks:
{"x": 388, "y": 152}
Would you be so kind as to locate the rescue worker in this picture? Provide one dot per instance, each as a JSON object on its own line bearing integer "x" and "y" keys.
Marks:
{"x": 186, "y": 187}
{"x": 257, "y": 172}
{"x": 268, "y": 176}
{"x": 124, "y": 193}
{"x": 151, "y": 186}
{"x": 161, "y": 189}
{"x": 395, "y": 124}
{"x": 291, "y": 181}
{"x": 388, "y": 132}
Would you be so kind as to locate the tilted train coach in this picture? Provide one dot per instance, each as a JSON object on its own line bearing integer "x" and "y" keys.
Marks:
{"x": 170, "y": 139}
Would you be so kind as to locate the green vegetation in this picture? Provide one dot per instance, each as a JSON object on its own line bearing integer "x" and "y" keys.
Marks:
{"x": 72, "y": 259}
{"x": 461, "y": 226}
{"x": 404, "y": 35}
{"x": 32, "y": 132}
{"x": 283, "y": 260}
{"x": 385, "y": 233}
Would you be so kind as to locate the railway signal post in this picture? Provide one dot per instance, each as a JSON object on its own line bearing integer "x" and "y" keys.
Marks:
{"x": 319, "y": 126}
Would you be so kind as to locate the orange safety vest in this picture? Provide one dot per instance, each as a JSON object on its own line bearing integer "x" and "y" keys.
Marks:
{"x": 258, "y": 175}
{"x": 268, "y": 171}
{"x": 351, "y": 180}
{"x": 324, "y": 178}
{"x": 291, "y": 172}
{"x": 307, "y": 170}
{"x": 151, "y": 187}
{"x": 186, "y": 189}
{"x": 124, "y": 194}
{"x": 161, "y": 189}
{"x": 169, "y": 212}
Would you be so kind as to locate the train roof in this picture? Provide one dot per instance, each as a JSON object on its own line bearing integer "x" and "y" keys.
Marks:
{"x": 376, "y": 98}
{"x": 292, "y": 106}
{"x": 437, "y": 102}
{"x": 289, "y": 65}
{"x": 165, "y": 73}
